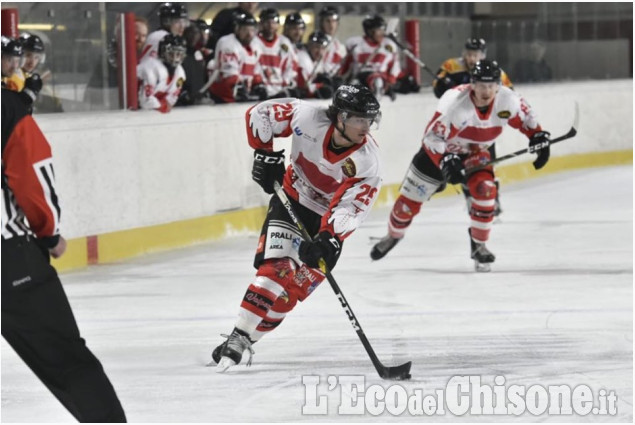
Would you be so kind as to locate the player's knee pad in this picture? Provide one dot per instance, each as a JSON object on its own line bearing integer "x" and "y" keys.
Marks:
{"x": 405, "y": 209}
{"x": 419, "y": 186}
{"x": 274, "y": 276}
{"x": 482, "y": 186}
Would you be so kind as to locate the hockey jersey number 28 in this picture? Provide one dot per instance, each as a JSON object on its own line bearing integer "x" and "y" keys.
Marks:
{"x": 343, "y": 187}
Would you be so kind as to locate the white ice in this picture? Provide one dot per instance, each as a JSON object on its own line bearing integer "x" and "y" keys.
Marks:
{"x": 557, "y": 308}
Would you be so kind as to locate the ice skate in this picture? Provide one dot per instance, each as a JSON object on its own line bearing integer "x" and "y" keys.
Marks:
{"x": 482, "y": 256}
{"x": 230, "y": 352}
{"x": 382, "y": 247}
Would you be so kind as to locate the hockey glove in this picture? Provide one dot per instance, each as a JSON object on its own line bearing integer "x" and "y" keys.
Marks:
{"x": 32, "y": 87}
{"x": 268, "y": 167}
{"x": 259, "y": 91}
{"x": 451, "y": 168}
{"x": 325, "y": 246}
{"x": 539, "y": 143}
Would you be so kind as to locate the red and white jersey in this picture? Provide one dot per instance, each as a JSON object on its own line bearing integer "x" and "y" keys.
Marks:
{"x": 340, "y": 187}
{"x": 278, "y": 62}
{"x": 308, "y": 69}
{"x": 334, "y": 56}
{"x": 157, "y": 88}
{"x": 458, "y": 126}
{"x": 151, "y": 48}
{"x": 235, "y": 63}
{"x": 364, "y": 55}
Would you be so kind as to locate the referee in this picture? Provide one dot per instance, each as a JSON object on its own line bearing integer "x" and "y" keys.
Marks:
{"x": 37, "y": 320}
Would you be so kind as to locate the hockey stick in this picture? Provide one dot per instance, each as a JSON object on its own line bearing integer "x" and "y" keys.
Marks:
{"x": 401, "y": 372}
{"x": 411, "y": 55}
{"x": 571, "y": 133}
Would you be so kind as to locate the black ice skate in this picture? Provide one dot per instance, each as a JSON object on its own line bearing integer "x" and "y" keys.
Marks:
{"x": 382, "y": 247}
{"x": 481, "y": 255}
{"x": 230, "y": 352}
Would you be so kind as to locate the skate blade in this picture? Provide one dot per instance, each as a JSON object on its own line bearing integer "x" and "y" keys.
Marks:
{"x": 224, "y": 364}
{"x": 482, "y": 267}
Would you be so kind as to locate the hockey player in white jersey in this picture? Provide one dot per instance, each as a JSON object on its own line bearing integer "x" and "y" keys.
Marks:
{"x": 174, "y": 20}
{"x": 373, "y": 59}
{"x": 313, "y": 80}
{"x": 466, "y": 123}
{"x": 329, "y": 21}
{"x": 237, "y": 64}
{"x": 278, "y": 60}
{"x": 160, "y": 80}
{"x": 332, "y": 182}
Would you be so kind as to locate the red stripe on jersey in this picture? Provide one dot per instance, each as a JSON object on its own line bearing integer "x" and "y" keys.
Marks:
{"x": 481, "y": 134}
{"x": 270, "y": 60}
{"x": 517, "y": 123}
{"x": 375, "y": 58}
{"x": 323, "y": 182}
{"x": 324, "y": 225}
{"x": 434, "y": 118}
{"x": 247, "y": 69}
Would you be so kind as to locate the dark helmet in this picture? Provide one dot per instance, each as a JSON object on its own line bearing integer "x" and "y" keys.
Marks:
{"x": 31, "y": 43}
{"x": 318, "y": 37}
{"x": 269, "y": 14}
{"x": 11, "y": 47}
{"x": 328, "y": 11}
{"x": 486, "y": 71}
{"x": 294, "y": 19}
{"x": 355, "y": 99}
{"x": 475, "y": 44}
{"x": 244, "y": 19}
{"x": 202, "y": 25}
{"x": 373, "y": 22}
{"x": 172, "y": 49}
{"x": 169, "y": 11}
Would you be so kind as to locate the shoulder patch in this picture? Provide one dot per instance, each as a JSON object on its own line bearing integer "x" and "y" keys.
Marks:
{"x": 348, "y": 168}
{"x": 389, "y": 48}
{"x": 504, "y": 114}
{"x": 284, "y": 47}
{"x": 179, "y": 82}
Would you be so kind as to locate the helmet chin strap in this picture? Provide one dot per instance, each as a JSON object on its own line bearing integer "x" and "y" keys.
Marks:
{"x": 342, "y": 132}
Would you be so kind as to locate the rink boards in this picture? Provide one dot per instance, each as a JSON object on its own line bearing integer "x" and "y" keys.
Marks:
{"x": 138, "y": 182}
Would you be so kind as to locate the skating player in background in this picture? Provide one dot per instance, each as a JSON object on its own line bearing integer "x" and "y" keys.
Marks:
{"x": 466, "y": 123}
{"x": 37, "y": 320}
{"x": 456, "y": 71}
{"x": 332, "y": 182}
{"x": 161, "y": 79}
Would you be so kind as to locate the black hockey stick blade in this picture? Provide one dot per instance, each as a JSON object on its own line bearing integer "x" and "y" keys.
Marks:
{"x": 396, "y": 373}
{"x": 571, "y": 133}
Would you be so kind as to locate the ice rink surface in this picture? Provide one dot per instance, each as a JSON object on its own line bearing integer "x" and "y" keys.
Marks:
{"x": 556, "y": 309}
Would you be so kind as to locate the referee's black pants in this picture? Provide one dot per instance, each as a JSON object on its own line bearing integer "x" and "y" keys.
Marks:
{"x": 38, "y": 323}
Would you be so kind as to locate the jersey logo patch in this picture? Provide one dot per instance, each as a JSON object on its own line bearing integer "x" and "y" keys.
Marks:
{"x": 348, "y": 168}
{"x": 389, "y": 48}
{"x": 179, "y": 82}
{"x": 284, "y": 47}
{"x": 297, "y": 131}
{"x": 504, "y": 114}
